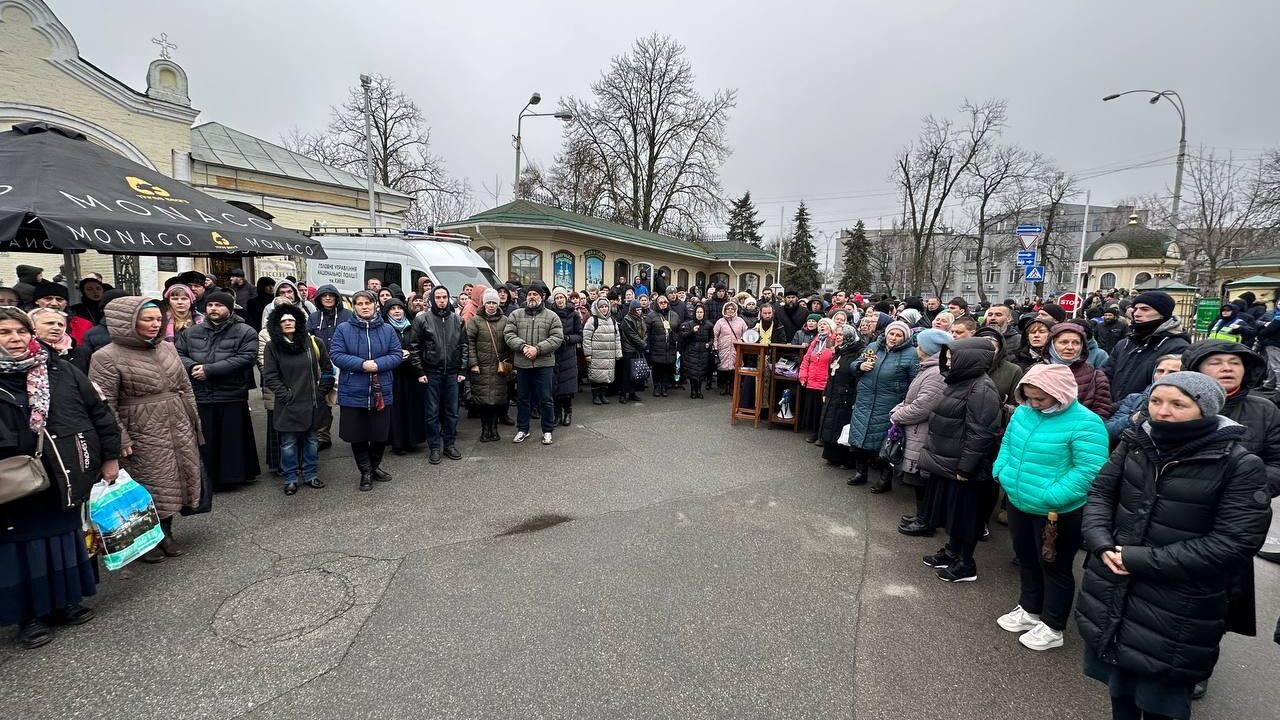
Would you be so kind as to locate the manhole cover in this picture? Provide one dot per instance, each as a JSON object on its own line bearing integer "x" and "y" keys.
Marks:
{"x": 283, "y": 608}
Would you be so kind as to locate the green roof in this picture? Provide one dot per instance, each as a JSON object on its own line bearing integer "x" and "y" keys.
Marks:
{"x": 1140, "y": 242}
{"x": 529, "y": 213}
{"x": 1255, "y": 281}
{"x": 1260, "y": 258}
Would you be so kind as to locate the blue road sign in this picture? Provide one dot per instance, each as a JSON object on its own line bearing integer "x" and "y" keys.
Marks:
{"x": 1026, "y": 257}
{"x": 1029, "y": 230}
{"x": 1033, "y": 274}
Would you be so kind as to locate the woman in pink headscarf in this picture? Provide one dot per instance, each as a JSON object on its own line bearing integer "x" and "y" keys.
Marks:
{"x": 474, "y": 302}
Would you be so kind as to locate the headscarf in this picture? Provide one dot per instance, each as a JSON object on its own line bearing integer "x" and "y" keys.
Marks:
{"x": 34, "y": 365}
{"x": 64, "y": 344}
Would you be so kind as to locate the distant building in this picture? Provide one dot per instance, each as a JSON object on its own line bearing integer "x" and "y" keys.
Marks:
{"x": 525, "y": 241}
{"x": 43, "y": 78}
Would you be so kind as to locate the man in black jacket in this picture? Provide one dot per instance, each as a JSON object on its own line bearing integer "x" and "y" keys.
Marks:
{"x": 438, "y": 352}
{"x": 964, "y": 434}
{"x": 791, "y": 316}
{"x": 1156, "y": 331}
{"x": 1111, "y": 330}
{"x": 219, "y": 355}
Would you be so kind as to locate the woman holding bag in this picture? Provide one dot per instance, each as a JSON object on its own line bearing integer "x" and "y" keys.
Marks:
{"x": 45, "y": 569}
{"x": 366, "y": 351}
{"x": 490, "y": 363}
{"x": 1052, "y": 449}
{"x": 727, "y": 330}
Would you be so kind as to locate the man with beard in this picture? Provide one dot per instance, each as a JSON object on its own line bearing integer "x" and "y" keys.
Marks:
{"x": 219, "y": 355}
{"x": 242, "y": 291}
{"x": 1112, "y": 329}
{"x": 533, "y": 335}
{"x": 791, "y": 315}
{"x": 438, "y": 350}
{"x": 715, "y": 303}
{"x": 1155, "y": 332}
{"x": 1000, "y": 317}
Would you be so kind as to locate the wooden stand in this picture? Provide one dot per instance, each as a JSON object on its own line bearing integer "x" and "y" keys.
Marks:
{"x": 759, "y": 354}
{"x": 756, "y": 361}
{"x": 782, "y": 382}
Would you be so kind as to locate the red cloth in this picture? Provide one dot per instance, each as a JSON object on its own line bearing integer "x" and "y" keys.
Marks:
{"x": 77, "y": 327}
{"x": 815, "y": 368}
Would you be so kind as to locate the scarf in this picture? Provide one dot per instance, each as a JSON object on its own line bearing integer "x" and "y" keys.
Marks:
{"x": 1143, "y": 330}
{"x": 1172, "y": 437}
{"x": 400, "y": 324}
{"x": 36, "y": 366}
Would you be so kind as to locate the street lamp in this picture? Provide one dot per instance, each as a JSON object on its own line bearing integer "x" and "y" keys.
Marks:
{"x": 1175, "y": 100}
{"x": 366, "y": 83}
{"x": 534, "y": 99}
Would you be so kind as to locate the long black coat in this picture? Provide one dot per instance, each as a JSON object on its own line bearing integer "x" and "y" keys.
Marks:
{"x": 228, "y": 353}
{"x": 566, "y": 377}
{"x": 299, "y": 374}
{"x": 695, "y": 348}
{"x": 841, "y": 390}
{"x": 663, "y": 344}
{"x": 1185, "y": 522}
{"x": 964, "y": 431}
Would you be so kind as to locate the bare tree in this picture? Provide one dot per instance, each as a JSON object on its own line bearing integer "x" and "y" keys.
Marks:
{"x": 402, "y": 157}
{"x": 928, "y": 171}
{"x": 656, "y": 143}
{"x": 456, "y": 201}
{"x": 942, "y": 265}
{"x": 999, "y": 186}
{"x": 573, "y": 183}
{"x": 1054, "y": 189}
{"x": 1226, "y": 211}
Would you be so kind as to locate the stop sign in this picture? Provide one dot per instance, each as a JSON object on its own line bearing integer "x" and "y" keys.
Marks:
{"x": 1069, "y": 302}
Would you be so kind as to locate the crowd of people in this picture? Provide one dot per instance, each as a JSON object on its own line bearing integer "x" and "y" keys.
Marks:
{"x": 1111, "y": 434}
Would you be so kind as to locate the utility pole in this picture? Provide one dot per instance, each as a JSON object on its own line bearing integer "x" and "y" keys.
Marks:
{"x": 366, "y": 82}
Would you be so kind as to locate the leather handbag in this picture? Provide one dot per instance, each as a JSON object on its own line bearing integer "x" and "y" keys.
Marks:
{"x": 504, "y": 366}
{"x": 23, "y": 475}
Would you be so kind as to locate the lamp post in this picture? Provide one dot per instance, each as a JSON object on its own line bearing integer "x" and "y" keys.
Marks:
{"x": 366, "y": 83}
{"x": 534, "y": 99}
{"x": 1175, "y": 100}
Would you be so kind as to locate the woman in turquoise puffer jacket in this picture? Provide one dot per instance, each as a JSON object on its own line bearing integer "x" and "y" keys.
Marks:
{"x": 1051, "y": 451}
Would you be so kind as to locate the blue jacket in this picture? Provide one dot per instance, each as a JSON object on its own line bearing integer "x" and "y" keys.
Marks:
{"x": 323, "y": 322}
{"x": 1097, "y": 356}
{"x": 1122, "y": 419}
{"x": 1048, "y": 461}
{"x": 879, "y": 391}
{"x": 354, "y": 342}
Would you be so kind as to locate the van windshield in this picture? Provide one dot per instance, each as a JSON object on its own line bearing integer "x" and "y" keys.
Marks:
{"x": 455, "y": 276}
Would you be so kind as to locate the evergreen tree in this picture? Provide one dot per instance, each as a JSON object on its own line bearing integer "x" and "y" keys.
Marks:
{"x": 803, "y": 274}
{"x": 856, "y": 273}
{"x": 743, "y": 223}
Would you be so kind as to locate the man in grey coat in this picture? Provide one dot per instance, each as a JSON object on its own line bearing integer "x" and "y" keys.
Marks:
{"x": 533, "y": 335}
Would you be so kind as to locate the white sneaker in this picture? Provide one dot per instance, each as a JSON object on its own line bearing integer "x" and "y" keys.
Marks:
{"x": 546, "y": 438}
{"x": 1041, "y": 637}
{"x": 520, "y": 436}
{"x": 1018, "y": 620}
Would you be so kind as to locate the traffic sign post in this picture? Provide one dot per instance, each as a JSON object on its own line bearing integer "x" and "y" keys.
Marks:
{"x": 1069, "y": 302}
{"x": 1033, "y": 274}
{"x": 1026, "y": 257}
{"x": 1029, "y": 235}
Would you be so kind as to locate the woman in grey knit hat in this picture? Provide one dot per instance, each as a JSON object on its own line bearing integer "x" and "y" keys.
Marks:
{"x": 1177, "y": 509}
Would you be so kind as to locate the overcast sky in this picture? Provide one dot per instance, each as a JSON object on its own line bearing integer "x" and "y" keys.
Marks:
{"x": 827, "y": 91}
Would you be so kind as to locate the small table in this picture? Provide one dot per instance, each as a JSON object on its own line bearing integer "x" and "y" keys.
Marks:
{"x": 744, "y": 351}
{"x": 779, "y": 383}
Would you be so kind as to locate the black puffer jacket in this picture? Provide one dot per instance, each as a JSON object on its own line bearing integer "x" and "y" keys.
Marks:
{"x": 841, "y": 389}
{"x": 1110, "y": 335}
{"x": 695, "y": 348}
{"x": 663, "y": 342}
{"x": 566, "y": 380}
{"x": 228, "y": 353}
{"x": 634, "y": 332}
{"x": 439, "y": 343}
{"x": 1260, "y": 418}
{"x": 1185, "y": 522}
{"x": 964, "y": 431}
{"x": 1133, "y": 360}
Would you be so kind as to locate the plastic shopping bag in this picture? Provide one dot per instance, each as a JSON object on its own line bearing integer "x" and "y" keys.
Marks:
{"x": 125, "y": 522}
{"x": 844, "y": 436}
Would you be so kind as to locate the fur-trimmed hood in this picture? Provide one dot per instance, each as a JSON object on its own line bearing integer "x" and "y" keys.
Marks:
{"x": 301, "y": 337}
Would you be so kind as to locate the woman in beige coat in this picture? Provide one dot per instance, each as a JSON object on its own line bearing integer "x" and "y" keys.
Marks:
{"x": 142, "y": 379}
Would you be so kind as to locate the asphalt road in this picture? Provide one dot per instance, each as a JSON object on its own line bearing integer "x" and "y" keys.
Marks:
{"x": 698, "y": 571}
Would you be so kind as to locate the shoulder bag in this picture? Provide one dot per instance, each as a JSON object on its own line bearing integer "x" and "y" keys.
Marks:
{"x": 504, "y": 366}
{"x": 23, "y": 475}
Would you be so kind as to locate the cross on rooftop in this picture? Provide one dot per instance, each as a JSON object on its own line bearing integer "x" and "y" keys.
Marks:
{"x": 165, "y": 45}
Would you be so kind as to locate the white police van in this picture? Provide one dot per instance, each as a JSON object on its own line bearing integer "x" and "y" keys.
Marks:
{"x": 395, "y": 256}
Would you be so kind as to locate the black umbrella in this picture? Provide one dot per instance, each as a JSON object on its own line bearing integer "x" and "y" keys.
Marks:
{"x": 59, "y": 192}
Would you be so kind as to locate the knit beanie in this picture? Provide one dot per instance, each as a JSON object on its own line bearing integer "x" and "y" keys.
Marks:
{"x": 559, "y": 291}
{"x": 222, "y": 298}
{"x": 1204, "y": 390}
{"x": 932, "y": 341}
{"x": 1161, "y": 301}
{"x": 489, "y": 296}
{"x": 901, "y": 326}
{"x": 1055, "y": 311}
{"x": 815, "y": 317}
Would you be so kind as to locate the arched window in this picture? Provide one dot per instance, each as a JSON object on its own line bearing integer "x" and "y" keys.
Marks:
{"x": 595, "y": 268}
{"x": 1107, "y": 281}
{"x": 700, "y": 280}
{"x": 562, "y": 269}
{"x": 717, "y": 278}
{"x": 525, "y": 265}
{"x": 749, "y": 282}
{"x": 622, "y": 269}
{"x": 682, "y": 279}
{"x": 1141, "y": 278}
{"x": 662, "y": 280}
{"x": 489, "y": 257}
{"x": 768, "y": 280}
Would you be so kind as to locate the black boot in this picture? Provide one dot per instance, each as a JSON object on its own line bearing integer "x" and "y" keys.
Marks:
{"x": 657, "y": 388}
{"x": 375, "y": 462}
{"x": 493, "y": 428}
{"x": 860, "y": 477}
{"x": 884, "y": 483}
{"x": 568, "y": 416}
{"x": 596, "y": 396}
{"x": 361, "y": 456}
{"x": 663, "y": 389}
